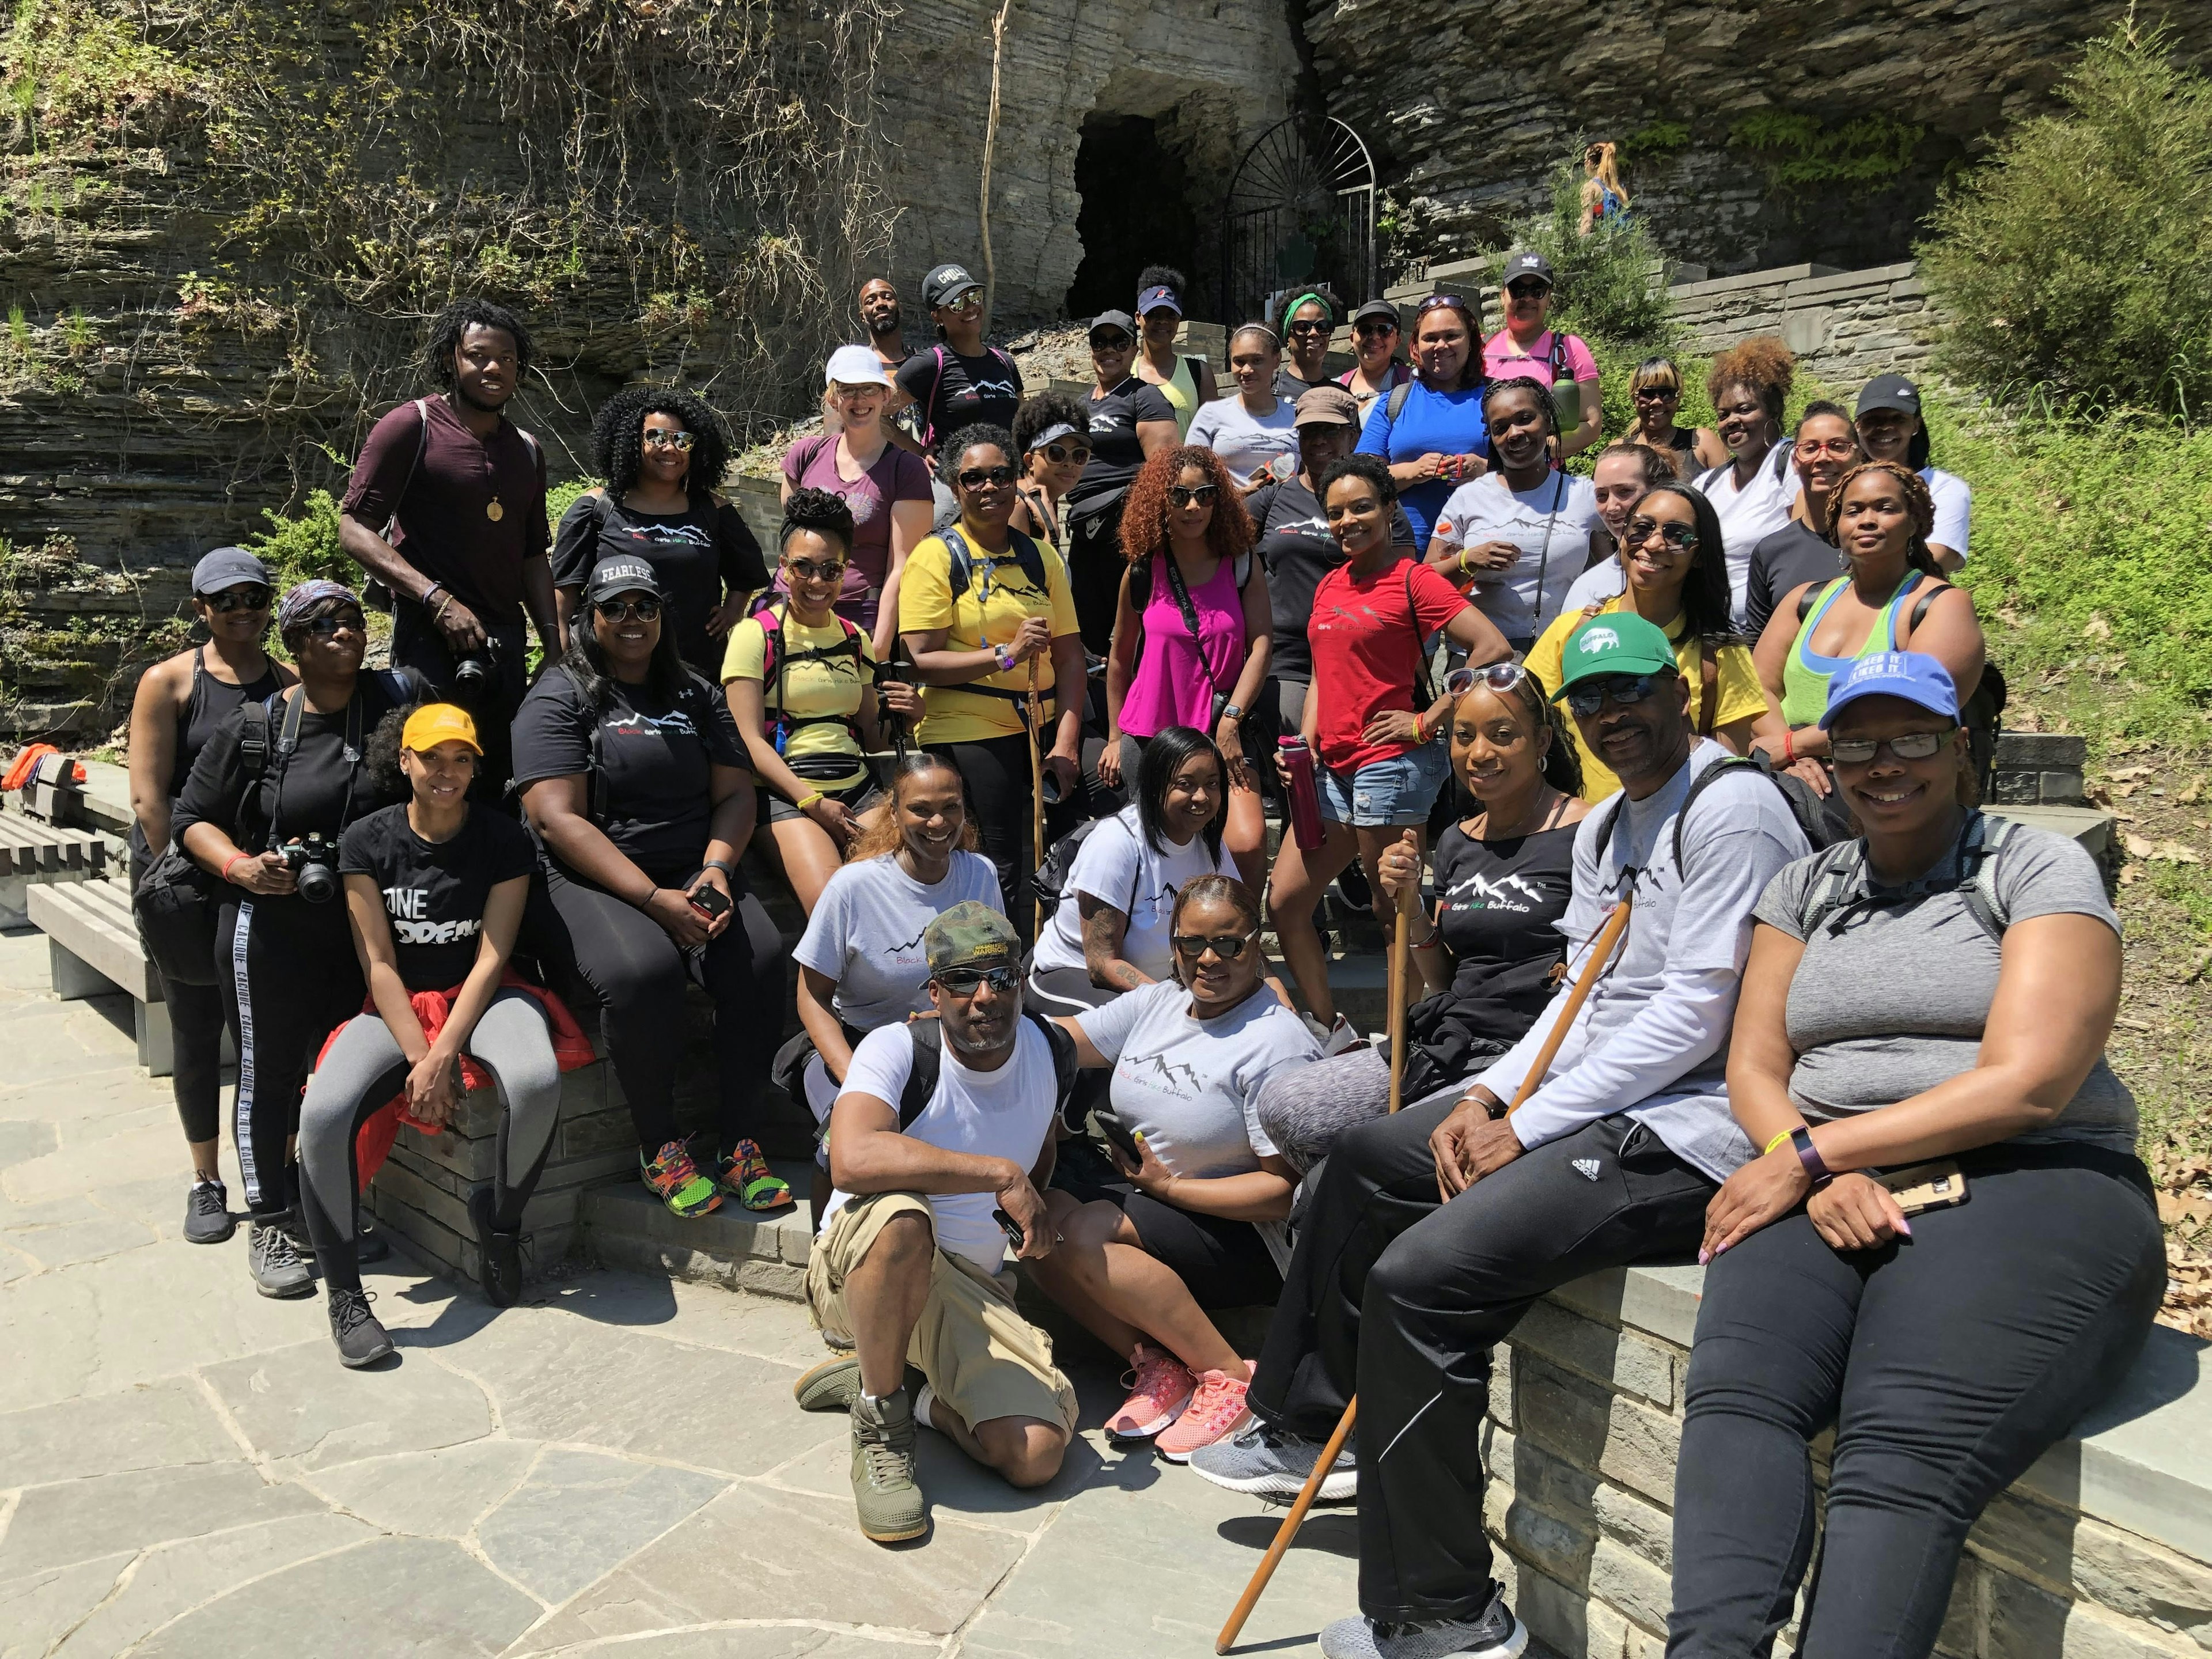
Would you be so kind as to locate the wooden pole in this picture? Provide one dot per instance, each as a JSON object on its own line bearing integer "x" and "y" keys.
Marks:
{"x": 990, "y": 144}
{"x": 1036, "y": 803}
{"x": 1601, "y": 952}
{"x": 1401, "y": 965}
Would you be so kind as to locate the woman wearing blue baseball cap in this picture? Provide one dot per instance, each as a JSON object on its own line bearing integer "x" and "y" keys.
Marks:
{"x": 1185, "y": 382}
{"x": 1949, "y": 1248}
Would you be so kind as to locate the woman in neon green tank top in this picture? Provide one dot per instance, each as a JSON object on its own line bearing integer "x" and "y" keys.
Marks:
{"x": 1894, "y": 598}
{"x": 1185, "y": 382}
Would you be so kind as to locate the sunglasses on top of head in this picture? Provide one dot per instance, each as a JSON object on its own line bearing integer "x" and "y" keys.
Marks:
{"x": 617, "y": 610}
{"x": 252, "y": 597}
{"x": 1500, "y": 677}
{"x": 1625, "y": 689}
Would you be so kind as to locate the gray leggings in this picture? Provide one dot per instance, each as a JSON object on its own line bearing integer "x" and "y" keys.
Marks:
{"x": 363, "y": 1072}
{"x": 1304, "y": 1109}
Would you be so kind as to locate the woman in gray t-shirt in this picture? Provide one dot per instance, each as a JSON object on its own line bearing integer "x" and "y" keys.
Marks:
{"x": 1924, "y": 1012}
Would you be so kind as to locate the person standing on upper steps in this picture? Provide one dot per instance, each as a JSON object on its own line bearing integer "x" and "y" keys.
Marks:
{"x": 1431, "y": 431}
{"x": 1375, "y": 342}
{"x": 1753, "y": 491}
{"x": 1188, "y": 383}
{"x": 1254, "y": 428}
{"x": 1309, "y": 324}
{"x": 1130, "y": 421}
{"x": 1560, "y": 362}
{"x": 1891, "y": 429}
{"x": 1825, "y": 448}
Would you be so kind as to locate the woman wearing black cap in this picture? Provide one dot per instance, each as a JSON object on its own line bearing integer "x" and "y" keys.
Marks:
{"x": 1129, "y": 421}
{"x": 1308, "y": 322}
{"x": 180, "y": 703}
{"x": 1374, "y": 341}
{"x": 1185, "y": 382}
{"x": 633, "y": 776}
{"x": 1891, "y": 429}
{"x": 1559, "y": 361}
{"x": 959, "y": 380}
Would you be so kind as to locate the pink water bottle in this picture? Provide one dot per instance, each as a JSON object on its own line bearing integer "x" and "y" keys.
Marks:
{"x": 1305, "y": 798}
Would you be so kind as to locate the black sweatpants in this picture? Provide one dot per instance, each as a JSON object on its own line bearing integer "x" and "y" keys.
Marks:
{"x": 1403, "y": 1298}
{"x": 196, "y": 1025}
{"x": 637, "y": 973}
{"x": 1948, "y": 1363}
{"x": 288, "y": 976}
{"x": 1095, "y": 565}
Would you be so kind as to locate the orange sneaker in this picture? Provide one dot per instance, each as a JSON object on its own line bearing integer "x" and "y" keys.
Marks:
{"x": 1216, "y": 1412}
{"x": 676, "y": 1181}
{"x": 1161, "y": 1388}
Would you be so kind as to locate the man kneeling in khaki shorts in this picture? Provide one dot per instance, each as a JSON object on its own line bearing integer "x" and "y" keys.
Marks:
{"x": 907, "y": 1267}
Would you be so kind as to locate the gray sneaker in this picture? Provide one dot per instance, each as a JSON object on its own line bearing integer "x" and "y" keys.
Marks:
{"x": 360, "y": 1337}
{"x": 208, "y": 1220}
{"x": 276, "y": 1266}
{"x": 1497, "y": 1635}
{"x": 834, "y": 1384}
{"x": 1271, "y": 1462}
{"x": 884, "y": 1491}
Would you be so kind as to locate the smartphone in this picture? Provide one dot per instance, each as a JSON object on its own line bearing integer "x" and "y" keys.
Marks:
{"x": 1111, "y": 1125}
{"x": 1011, "y": 1228}
{"x": 707, "y": 900}
{"x": 1926, "y": 1187}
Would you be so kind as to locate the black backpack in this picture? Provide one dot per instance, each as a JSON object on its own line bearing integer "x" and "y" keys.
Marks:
{"x": 1050, "y": 880}
{"x": 1837, "y": 869}
{"x": 928, "y": 1038}
{"x": 961, "y": 576}
{"x": 1823, "y": 827}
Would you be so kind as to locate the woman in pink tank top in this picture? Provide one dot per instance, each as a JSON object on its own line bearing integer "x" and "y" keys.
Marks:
{"x": 1192, "y": 632}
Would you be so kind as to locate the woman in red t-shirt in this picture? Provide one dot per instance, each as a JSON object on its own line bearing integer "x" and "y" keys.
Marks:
{"x": 1379, "y": 757}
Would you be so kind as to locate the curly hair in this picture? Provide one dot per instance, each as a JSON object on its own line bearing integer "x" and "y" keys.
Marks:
{"x": 1373, "y": 469}
{"x": 825, "y": 511}
{"x": 618, "y": 440}
{"x": 1042, "y": 410}
{"x": 885, "y": 836}
{"x": 1145, "y": 509}
{"x": 1916, "y": 498}
{"x": 981, "y": 432}
{"x": 449, "y": 327}
{"x": 1762, "y": 363}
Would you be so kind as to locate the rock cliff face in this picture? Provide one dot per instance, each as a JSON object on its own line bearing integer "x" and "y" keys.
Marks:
{"x": 1757, "y": 135}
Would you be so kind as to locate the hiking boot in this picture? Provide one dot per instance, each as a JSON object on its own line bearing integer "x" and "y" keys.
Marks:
{"x": 362, "y": 1340}
{"x": 1496, "y": 1635}
{"x": 1216, "y": 1412}
{"x": 834, "y": 1384}
{"x": 275, "y": 1263}
{"x": 885, "y": 1492}
{"x": 499, "y": 1253}
{"x": 208, "y": 1220}
{"x": 676, "y": 1181}
{"x": 1271, "y": 1462}
{"x": 1160, "y": 1386}
{"x": 743, "y": 1174}
{"x": 369, "y": 1244}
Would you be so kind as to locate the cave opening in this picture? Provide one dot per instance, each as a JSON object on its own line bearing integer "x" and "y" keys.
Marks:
{"x": 1136, "y": 212}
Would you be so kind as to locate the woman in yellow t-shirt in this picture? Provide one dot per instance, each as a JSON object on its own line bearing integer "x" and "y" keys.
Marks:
{"x": 800, "y": 681}
{"x": 981, "y": 639}
{"x": 1671, "y": 559}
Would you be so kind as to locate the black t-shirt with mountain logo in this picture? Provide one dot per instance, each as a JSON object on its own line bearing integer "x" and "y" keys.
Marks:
{"x": 1500, "y": 901}
{"x": 951, "y": 391}
{"x": 434, "y": 891}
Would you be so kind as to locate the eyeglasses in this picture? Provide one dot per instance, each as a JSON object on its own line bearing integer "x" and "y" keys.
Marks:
{"x": 975, "y": 477}
{"x": 1110, "y": 343}
{"x": 1374, "y": 328}
{"x": 1187, "y": 494}
{"x": 238, "y": 599}
{"x": 1680, "y": 536}
{"x": 615, "y": 611}
{"x": 1811, "y": 449}
{"x": 1657, "y": 394}
{"x": 806, "y": 570}
{"x": 1591, "y": 696}
{"x": 964, "y": 983}
{"x": 658, "y": 438}
{"x": 1908, "y": 745}
{"x": 1227, "y": 946}
{"x": 1498, "y": 676}
{"x": 1528, "y": 288}
{"x": 1309, "y": 325}
{"x": 1059, "y": 455}
{"x": 334, "y": 622}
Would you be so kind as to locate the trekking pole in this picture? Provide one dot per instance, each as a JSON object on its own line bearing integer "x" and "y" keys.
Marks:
{"x": 1401, "y": 963}
{"x": 1037, "y": 806}
{"x": 1601, "y": 952}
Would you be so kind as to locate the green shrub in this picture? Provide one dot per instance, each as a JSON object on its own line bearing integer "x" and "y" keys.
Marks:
{"x": 2075, "y": 266}
{"x": 296, "y": 549}
{"x": 560, "y": 497}
{"x": 1608, "y": 281}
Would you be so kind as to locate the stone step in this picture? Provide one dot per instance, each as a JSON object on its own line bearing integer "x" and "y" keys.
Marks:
{"x": 626, "y": 1226}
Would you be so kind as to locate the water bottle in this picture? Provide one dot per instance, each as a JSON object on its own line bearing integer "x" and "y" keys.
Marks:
{"x": 1305, "y": 798}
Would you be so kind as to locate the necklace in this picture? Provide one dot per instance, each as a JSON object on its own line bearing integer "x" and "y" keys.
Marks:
{"x": 494, "y": 511}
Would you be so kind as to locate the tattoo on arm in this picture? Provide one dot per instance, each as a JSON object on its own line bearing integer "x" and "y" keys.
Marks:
{"x": 1102, "y": 930}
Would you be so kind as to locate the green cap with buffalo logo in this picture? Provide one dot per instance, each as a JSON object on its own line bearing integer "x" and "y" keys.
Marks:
{"x": 971, "y": 934}
{"x": 1615, "y": 642}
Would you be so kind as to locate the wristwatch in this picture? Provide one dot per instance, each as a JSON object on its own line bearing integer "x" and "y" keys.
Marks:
{"x": 1809, "y": 1156}
{"x": 1229, "y": 711}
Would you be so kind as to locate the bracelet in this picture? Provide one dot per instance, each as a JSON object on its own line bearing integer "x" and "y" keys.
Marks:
{"x": 1776, "y": 1141}
{"x": 723, "y": 864}
{"x": 1435, "y": 939}
{"x": 1789, "y": 747}
{"x": 646, "y": 904}
{"x": 423, "y": 600}
{"x": 1462, "y": 561}
{"x": 1809, "y": 1156}
{"x": 807, "y": 800}
{"x": 1005, "y": 658}
{"x": 1420, "y": 736}
{"x": 438, "y": 614}
{"x": 228, "y": 862}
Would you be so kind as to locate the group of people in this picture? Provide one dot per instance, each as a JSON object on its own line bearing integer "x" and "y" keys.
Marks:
{"x": 1717, "y": 690}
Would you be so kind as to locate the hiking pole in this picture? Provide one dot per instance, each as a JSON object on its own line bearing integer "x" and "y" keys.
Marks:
{"x": 1037, "y": 806}
{"x": 1401, "y": 963}
{"x": 1609, "y": 937}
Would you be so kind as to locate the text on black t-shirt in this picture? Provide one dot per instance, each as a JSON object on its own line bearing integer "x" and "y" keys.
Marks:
{"x": 1498, "y": 902}
{"x": 435, "y": 892}
{"x": 964, "y": 391}
{"x": 696, "y": 553}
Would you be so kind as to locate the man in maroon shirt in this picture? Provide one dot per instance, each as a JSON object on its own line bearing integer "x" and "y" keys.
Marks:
{"x": 447, "y": 506}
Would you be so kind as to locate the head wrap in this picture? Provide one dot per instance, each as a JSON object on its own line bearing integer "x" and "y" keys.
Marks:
{"x": 1329, "y": 311}
{"x": 293, "y": 609}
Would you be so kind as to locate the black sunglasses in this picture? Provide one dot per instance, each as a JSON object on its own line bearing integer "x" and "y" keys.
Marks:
{"x": 251, "y": 597}
{"x": 975, "y": 477}
{"x": 615, "y": 611}
{"x": 964, "y": 983}
{"x": 1185, "y": 495}
{"x": 1527, "y": 287}
{"x": 1309, "y": 325}
{"x": 331, "y": 623}
{"x": 1373, "y": 328}
{"x": 1591, "y": 696}
{"x": 1111, "y": 343}
{"x": 1657, "y": 394}
{"x": 1911, "y": 745}
{"x": 1227, "y": 946}
{"x": 1676, "y": 536}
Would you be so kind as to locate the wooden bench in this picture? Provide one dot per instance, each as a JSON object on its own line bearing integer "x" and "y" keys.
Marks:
{"x": 93, "y": 949}
{"x": 33, "y": 854}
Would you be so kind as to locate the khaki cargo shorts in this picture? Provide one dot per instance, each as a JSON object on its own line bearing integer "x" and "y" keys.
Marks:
{"x": 983, "y": 1357}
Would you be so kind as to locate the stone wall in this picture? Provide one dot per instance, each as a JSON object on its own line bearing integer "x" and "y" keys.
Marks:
{"x": 1846, "y": 326}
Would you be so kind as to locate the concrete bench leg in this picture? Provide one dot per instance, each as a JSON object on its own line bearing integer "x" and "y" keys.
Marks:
{"x": 156, "y": 1052}
{"x": 74, "y": 977}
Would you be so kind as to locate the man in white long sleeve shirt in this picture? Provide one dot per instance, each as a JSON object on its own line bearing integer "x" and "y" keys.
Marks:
{"x": 1432, "y": 1232}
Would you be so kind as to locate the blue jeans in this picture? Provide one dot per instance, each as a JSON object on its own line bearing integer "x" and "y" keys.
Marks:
{"x": 1396, "y": 793}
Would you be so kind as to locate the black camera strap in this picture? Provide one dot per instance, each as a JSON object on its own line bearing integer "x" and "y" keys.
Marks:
{"x": 287, "y": 739}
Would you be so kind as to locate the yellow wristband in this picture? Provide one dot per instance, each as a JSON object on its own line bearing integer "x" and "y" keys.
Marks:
{"x": 807, "y": 800}
{"x": 1781, "y": 1140}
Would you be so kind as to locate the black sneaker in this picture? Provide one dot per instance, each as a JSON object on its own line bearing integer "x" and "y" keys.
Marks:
{"x": 274, "y": 1262}
{"x": 361, "y": 1339}
{"x": 498, "y": 1254}
{"x": 369, "y": 1244}
{"x": 208, "y": 1220}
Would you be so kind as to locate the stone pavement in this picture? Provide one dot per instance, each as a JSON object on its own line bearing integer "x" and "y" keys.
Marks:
{"x": 616, "y": 1466}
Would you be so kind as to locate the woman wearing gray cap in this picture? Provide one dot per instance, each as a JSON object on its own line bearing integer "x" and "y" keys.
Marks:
{"x": 1890, "y": 428}
{"x": 1559, "y": 361}
{"x": 959, "y": 382}
{"x": 1129, "y": 421}
{"x": 180, "y": 703}
{"x": 1380, "y": 371}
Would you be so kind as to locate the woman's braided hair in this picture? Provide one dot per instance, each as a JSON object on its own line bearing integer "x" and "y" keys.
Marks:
{"x": 1923, "y": 506}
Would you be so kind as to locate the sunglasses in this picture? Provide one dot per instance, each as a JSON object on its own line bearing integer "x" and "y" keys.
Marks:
{"x": 1623, "y": 689}
{"x": 975, "y": 477}
{"x": 1111, "y": 343}
{"x": 1310, "y": 325}
{"x": 1528, "y": 288}
{"x": 1187, "y": 494}
{"x": 964, "y": 983}
{"x": 657, "y": 438}
{"x": 1811, "y": 449}
{"x": 1657, "y": 394}
{"x": 967, "y": 301}
{"x": 1498, "y": 676}
{"x": 1680, "y": 536}
{"x": 237, "y": 599}
{"x": 1438, "y": 301}
{"x": 806, "y": 570}
{"x": 1059, "y": 455}
{"x": 333, "y": 622}
{"x": 1911, "y": 745}
{"x": 615, "y": 610}
{"x": 1374, "y": 328}
{"x": 1227, "y": 946}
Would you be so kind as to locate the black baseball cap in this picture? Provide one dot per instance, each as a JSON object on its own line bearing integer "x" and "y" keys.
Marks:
{"x": 945, "y": 284}
{"x": 227, "y": 567}
{"x": 622, "y": 573}
{"x": 1381, "y": 308}
{"x": 1121, "y": 320}
{"x": 1526, "y": 263}
{"x": 1888, "y": 392}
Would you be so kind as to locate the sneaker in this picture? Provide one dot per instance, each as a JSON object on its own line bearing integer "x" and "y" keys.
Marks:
{"x": 499, "y": 1253}
{"x": 676, "y": 1181}
{"x": 1216, "y": 1411}
{"x": 208, "y": 1220}
{"x": 743, "y": 1174}
{"x": 1497, "y": 1635}
{"x": 885, "y": 1492}
{"x": 1271, "y": 1462}
{"x": 362, "y": 1340}
{"x": 834, "y": 1384}
{"x": 1159, "y": 1389}
{"x": 275, "y": 1262}
{"x": 369, "y": 1244}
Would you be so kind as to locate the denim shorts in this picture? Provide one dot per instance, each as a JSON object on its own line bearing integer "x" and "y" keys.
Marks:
{"x": 1396, "y": 794}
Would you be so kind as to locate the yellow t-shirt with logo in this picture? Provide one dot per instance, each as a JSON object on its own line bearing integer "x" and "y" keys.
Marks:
{"x": 1000, "y": 597}
{"x": 811, "y": 689}
{"x": 1737, "y": 694}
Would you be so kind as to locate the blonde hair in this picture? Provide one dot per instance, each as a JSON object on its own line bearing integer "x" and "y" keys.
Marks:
{"x": 1607, "y": 174}
{"x": 885, "y": 835}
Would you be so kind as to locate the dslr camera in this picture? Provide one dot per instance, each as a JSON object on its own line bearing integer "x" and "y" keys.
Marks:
{"x": 476, "y": 677}
{"x": 312, "y": 859}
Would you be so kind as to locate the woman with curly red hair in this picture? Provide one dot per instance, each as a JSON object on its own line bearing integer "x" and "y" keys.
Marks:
{"x": 1191, "y": 629}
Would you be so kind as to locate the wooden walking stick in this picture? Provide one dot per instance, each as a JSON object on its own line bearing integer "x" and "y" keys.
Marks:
{"x": 1601, "y": 951}
{"x": 1037, "y": 806}
{"x": 1401, "y": 964}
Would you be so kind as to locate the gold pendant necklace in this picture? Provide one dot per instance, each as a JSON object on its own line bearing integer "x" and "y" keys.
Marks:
{"x": 494, "y": 511}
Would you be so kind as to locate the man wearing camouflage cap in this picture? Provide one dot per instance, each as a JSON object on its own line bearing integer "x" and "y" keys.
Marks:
{"x": 942, "y": 1127}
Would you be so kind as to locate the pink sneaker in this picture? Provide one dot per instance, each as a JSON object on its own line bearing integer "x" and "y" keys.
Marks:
{"x": 1163, "y": 1386}
{"x": 1215, "y": 1413}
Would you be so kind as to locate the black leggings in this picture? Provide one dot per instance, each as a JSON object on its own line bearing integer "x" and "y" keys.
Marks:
{"x": 1948, "y": 1363}
{"x": 630, "y": 964}
{"x": 288, "y": 977}
{"x": 196, "y": 1024}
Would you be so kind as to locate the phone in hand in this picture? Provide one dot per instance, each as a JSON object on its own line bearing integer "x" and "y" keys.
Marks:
{"x": 1110, "y": 1125}
{"x": 709, "y": 900}
{"x": 1011, "y": 1228}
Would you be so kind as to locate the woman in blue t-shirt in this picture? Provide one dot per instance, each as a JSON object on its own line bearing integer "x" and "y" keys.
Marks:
{"x": 1434, "y": 439}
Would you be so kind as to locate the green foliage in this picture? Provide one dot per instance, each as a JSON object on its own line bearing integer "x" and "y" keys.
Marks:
{"x": 1608, "y": 281}
{"x": 2077, "y": 265}
{"x": 297, "y": 548}
{"x": 559, "y": 496}
{"x": 1801, "y": 154}
{"x": 1659, "y": 138}
{"x": 75, "y": 74}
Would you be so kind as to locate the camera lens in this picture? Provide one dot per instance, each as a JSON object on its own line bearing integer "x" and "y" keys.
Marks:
{"x": 319, "y": 883}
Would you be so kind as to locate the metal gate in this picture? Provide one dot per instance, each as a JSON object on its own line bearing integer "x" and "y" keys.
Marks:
{"x": 1300, "y": 213}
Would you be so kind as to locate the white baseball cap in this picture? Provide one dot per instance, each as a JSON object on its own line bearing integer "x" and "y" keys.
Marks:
{"x": 855, "y": 365}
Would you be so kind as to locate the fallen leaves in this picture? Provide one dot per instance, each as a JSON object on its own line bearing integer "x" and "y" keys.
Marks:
{"x": 2159, "y": 852}
{"x": 2188, "y": 1295}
